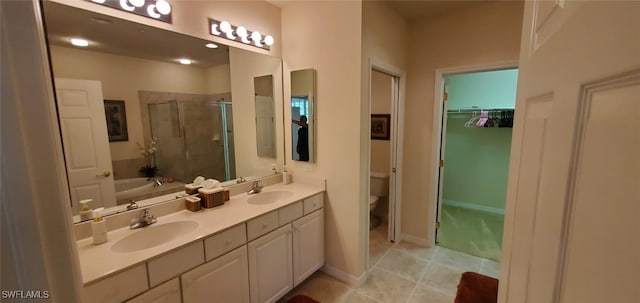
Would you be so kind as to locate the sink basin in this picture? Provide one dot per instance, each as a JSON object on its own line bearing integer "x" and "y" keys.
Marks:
{"x": 153, "y": 235}
{"x": 268, "y": 197}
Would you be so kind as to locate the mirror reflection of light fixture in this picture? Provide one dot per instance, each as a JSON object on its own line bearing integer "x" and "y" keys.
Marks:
{"x": 240, "y": 33}
{"x": 185, "y": 61}
{"x": 79, "y": 42}
{"x": 156, "y": 9}
{"x": 211, "y": 45}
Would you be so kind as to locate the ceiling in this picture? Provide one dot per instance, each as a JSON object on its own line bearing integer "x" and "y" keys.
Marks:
{"x": 417, "y": 9}
{"x": 116, "y": 36}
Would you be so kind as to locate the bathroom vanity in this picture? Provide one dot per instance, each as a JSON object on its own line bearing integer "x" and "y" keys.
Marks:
{"x": 254, "y": 248}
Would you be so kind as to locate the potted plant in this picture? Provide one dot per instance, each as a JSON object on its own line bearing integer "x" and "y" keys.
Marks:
{"x": 149, "y": 170}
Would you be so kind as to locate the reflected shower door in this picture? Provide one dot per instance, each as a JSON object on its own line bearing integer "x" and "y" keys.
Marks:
{"x": 166, "y": 126}
{"x": 204, "y": 140}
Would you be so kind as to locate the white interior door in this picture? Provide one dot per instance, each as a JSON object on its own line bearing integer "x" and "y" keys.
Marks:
{"x": 443, "y": 137}
{"x": 86, "y": 144}
{"x": 571, "y": 232}
{"x": 265, "y": 127}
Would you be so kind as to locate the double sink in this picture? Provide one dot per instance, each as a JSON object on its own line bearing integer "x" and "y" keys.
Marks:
{"x": 161, "y": 233}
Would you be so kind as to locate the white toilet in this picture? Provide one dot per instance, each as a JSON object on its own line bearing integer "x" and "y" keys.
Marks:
{"x": 379, "y": 183}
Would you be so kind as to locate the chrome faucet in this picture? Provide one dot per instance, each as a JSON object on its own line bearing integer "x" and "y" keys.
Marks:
{"x": 145, "y": 219}
{"x": 157, "y": 182}
{"x": 132, "y": 205}
{"x": 240, "y": 180}
{"x": 255, "y": 188}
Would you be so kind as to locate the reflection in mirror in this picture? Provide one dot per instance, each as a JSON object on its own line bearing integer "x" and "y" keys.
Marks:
{"x": 182, "y": 121}
{"x": 265, "y": 116}
{"x": 302, "y": 115}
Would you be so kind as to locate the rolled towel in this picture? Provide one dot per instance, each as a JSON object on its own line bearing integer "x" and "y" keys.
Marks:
{"x": 210, "y": 184}
{"x": 198, "y": 180}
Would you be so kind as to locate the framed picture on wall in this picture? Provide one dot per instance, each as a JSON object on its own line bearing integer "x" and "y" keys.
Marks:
{"x": 380, "y": 126}
{"x": 116, "y": 114}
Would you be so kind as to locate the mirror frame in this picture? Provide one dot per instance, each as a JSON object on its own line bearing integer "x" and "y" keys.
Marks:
{"x": 303, "y": 86}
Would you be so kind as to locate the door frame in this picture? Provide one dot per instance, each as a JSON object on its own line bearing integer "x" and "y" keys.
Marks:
{"x": 436, "y": 145}
{"x": 397, "y": 141}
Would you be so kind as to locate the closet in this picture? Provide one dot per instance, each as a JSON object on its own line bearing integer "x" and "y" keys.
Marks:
{"x": 476, "y": 142}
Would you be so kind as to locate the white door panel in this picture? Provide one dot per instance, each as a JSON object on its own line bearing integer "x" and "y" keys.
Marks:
{"x": 86, "y": 143}
{"x": 574, "y": 183}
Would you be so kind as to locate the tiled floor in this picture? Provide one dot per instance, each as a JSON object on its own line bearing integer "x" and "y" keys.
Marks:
{"x": 401, "y": 272}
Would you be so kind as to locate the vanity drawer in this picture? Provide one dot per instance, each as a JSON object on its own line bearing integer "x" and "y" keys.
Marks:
{"x": 262, "y": 225}
{"x": 225, "y": 241}
{"x": 118, "y": 287}
{"x": 313, "y": 203}
{"x": 174, "y": 263}
{"x": 289, "y": 213}
{"x": 168, "y": 292}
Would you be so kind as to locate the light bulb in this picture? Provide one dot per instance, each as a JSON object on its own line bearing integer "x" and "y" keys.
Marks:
{"x": 98, "y": 1}
{"x": 79, "y": 42}
{"x": 256, "y": 37}
{"x": 151, "y": 11}
{"x": 242, "y": 33}
{"x": 211, "y": 45}
{"x": 268, "y": 40}
{"x": 163, "y": 7}
{"x": 125, "y": 5}
{"x": 225, "y": 27}
{"x": 137, "y": 3}
{"x": 185, "y": 61}
{"x": 214, "y": 29}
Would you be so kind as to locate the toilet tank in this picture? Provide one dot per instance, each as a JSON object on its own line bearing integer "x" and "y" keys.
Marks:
{"x": 379, "y": 184}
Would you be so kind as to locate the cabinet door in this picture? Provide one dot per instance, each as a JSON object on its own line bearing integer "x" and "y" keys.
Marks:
{"x": 168, "y": 292}
{"x": 270, "y": 266}
{"x": 224, "y": 280}
{"x": 308, "y": 245}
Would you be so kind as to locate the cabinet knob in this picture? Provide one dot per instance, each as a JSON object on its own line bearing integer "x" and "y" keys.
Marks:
{"x": 264, "y": 225}
{"x": 228, "y": 242}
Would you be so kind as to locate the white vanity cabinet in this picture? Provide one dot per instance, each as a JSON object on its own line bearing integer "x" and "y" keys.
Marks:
{"x": 225, "y": 279}
{"x": 282, "y": 259}
{"x": 168, "y": 292}
{"x": 308, "y": 245}
{"x": 270, "y": 265}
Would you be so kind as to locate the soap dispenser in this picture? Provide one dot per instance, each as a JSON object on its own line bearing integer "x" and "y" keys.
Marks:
{"x": 286, "y": 176}
{"x": 99, "y": 227}
{"x": 85, "y": 210}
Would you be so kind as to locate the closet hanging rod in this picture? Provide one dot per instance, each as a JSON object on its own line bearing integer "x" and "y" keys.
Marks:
{"x": 467, "y": 110}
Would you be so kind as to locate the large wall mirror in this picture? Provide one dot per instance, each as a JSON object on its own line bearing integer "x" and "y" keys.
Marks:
{"x": 176, "y": 108}
{"x": 303, "y": 115}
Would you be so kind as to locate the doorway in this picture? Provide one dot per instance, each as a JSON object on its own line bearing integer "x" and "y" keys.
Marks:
{"x": 385, "y": 97}
{"x": 477, "y": 122}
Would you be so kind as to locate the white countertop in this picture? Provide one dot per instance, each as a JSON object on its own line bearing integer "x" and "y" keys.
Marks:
{"x": 98, "y": 261}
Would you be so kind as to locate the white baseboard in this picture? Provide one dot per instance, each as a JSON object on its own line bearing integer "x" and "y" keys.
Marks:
{"x": 344, "y": 277}
{"x": 415, "y": 240}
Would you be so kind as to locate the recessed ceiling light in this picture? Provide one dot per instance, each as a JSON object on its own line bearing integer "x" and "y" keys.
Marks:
{"x": 185, "y": 61}
{"x": 79, "y": 42}
{"x": 211, "y": 45}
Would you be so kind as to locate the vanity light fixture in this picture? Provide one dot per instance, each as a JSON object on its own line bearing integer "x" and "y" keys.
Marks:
{"x": 155, "y": 9}
{"x": 79, "y": 42}
{"x": 211, "y": 45}
{"x": 239, "y": 33}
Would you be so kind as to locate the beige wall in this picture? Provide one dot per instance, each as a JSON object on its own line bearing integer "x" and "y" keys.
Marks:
{"x": 190, "y": 17}
{"x": 245, "y": 66}
{"x": 481, "y": 34}
{"x": 122, "y": 77}
{"x": 326, "y": 36}
{"x": 219, "y": 79}
{"x": 380, "y": 104}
